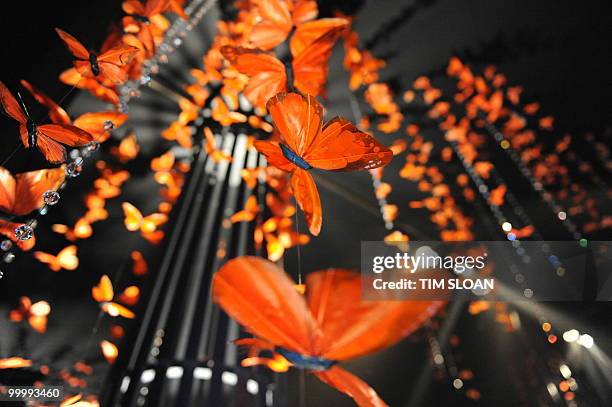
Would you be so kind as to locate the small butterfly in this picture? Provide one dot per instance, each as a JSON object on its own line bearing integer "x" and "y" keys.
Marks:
{"x": 35, "y": 313}
{"x": 108, "y": 65}
{"x": 109, "y": 351}
{"x": 104, "y": 294}
{"x": 66, "y": 259}
{"x": 134, "y": 220}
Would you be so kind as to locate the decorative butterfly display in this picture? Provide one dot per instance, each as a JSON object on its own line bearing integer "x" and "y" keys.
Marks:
{"x": 306, "y": 143}
{"x": 318, "y": 332}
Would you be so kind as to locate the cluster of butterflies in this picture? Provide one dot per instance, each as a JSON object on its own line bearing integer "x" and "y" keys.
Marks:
{"x": 549, "y": 161}
{"x": 120, "y": 58}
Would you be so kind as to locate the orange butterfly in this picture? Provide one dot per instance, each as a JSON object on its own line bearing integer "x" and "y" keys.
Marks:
{"x": 316, "y": 332}
{"x": 109, "y": 351}
{"x": 82, "y": 230}
{"x": 104, "y": 294}
{"x": 108, "y": 65}
{"x": 66, "y": 259}
{"x": 134, "y": 220}
{"x": 308, "y": 143}
{"x": 310, "y": 50}
{"x": 14, "y": 362}
{"x": 47, "y": 137}
{"x": 276, "y": 19}
{"x": 36, "y": 314}
{"x": 223, "y": 115}
{"x": 98, "y": 124}
{"x": 211, "y": 148}
{"x": 145, "y": 20}
{"x": 139, "y": 264}
{"x": 497, "y": 195}
{"x": 24, "y": 193}
{"x": 127, "y": 149}
{"x": 251, "y": 208}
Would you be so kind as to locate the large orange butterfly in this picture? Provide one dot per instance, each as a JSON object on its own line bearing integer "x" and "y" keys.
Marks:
{"x": 24, "y": 193}
{"x": 311, "y": 46}
{"x": 47, "y": 137}
{"x": 308, "y": 143}
{"x": 332, "y": 324}
{"x": 108, "y": 65}
{"x": 35, "y": 313}
{"x": 104, "y": 294}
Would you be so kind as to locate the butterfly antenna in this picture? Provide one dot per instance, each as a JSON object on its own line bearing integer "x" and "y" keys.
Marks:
{"x": 25, "y": 109}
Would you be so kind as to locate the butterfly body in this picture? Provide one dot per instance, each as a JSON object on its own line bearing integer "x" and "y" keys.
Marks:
{"x": 93, "y": 61}
{"x": 32, "y": 133}
{"x": 294, "y": 158}
{"x": 140, "y": 18}
{"x": 305, "y": 362}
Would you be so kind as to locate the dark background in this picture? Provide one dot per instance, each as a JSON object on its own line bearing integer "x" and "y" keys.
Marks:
{"x": 559, "y": 52}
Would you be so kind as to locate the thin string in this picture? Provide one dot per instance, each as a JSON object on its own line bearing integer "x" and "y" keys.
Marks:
{"x": 302, "y": 388}
{"x": 299, "y": 251}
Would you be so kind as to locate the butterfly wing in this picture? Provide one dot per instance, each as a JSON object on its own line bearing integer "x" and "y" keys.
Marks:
{"x": 352, "y": 327}
{"x": 351, "y": 385}
{"x": 260, "y": 296}
{"x": 133, "y": 217}
{"x": 297, "y": 118}
{"x": 56, "y": 113}
{"x": 266, "y": 73}
{"x": 342, "y": 147}
{"x": 274, "y": 25}
{"x": 67, "y": 258}
{"x": 31, "y": 186}
{"x": 95, "y": 123}
{"x": 54, "y": 152}
{"x": 11, "y": 106}
{"x": 306, "y": 34}
{"x": 74, "y": 46}
{"x": 274, "y": 155}
{"x": 8, "y": 186}
{"x": 120, "y": 55}
{"x": 66, "y": 134}
{"x": 103, "y": 292}
{"x": 307, "y": 196}
{"x": 49, "y": 259}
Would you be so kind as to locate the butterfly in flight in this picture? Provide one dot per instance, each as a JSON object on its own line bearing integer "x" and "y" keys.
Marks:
{"x": 47, "y": 137}
{"x": 98, "y": 124}
{"x": 108, "y": 65}
{"x": 306, "y": 143}
{"x": 329, "y": 325}
{"x": 310, "y": 47}
{"x": 66, "y": 259}
{"x": 104, "y": 294}
{"x": 134, "y": 220}
{"x": 35, "y": 313}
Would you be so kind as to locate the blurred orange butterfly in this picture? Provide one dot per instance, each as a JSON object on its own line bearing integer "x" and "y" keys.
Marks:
{"x": 109, "y": 351}
{"x": 66, "y": 259}
{"x": 35, "y": 313}
{"x": 108, "y": 65}
{"x": 47, "y": 137}
{"x": 311, "y": 48}
{"x": 251, "y": 208}
{"x": 104, "y": 294}
{"x": 127, "y": 149}
{"x": 134, "y": 220}
{"x": 211, "y": 148}
{"x": 14, "y": 362}
{"x": 24, "y": 193}
{"x": 308, "y": 143}
{"x": 316, "y": 332}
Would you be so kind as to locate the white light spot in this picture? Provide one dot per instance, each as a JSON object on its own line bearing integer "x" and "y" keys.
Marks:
{"x": 229, "y": 378}
{"x": 202, "y": 373}
{"x": 586, "y": 340}
{"x": 252, "y": 386}
{"x": 174, "y": 372}
{"x": 506, "y": 226}
{"x": 147, "y": 376}
{"x": 571, "y": 336}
